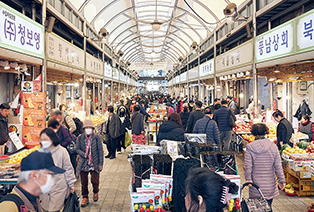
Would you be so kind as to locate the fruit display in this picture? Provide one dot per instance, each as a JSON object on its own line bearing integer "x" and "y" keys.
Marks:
{"x": 300, "y": 136}
{"x": 97, "y": 120}
{"x": 243, "y": 127}
{"x": 17, "y": 158}
{"x": 289, "y": 190}
{"x": 248, "y": 138}
{"x": 310, "y": 148}
{"x": 289, "y": 151}
{"x": 311, "y": 208}
{"x": 155, "y": 118}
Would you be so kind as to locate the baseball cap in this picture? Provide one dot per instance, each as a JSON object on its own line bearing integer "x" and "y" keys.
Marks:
{"x": 40, "y": 160}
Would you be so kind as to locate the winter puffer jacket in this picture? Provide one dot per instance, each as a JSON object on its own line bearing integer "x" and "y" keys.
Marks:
{"x": 170, "y": 130}
{"x": 212, "y": 131}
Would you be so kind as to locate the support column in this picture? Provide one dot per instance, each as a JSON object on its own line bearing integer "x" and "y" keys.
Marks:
{"x": 44, "y": 67}
{"x": 93, "y": 100}
{"x": 84, "y": 79}
{"x": 215, "y": 72}
{"x": 255, "y": 76}
{"x": 111, "y": 92}
{"x": 271, "y": 96}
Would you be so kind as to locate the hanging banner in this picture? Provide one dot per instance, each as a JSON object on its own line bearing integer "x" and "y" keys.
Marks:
{"x": 275, "y": 43}
{"x": 20, "y": 33}
{"x": 305, "y": 31}
{"x": 34, "y": 116}
{"x": 107, "y": 71}
{"x": 193, "y": 73}
{"x": 207, "y": 68}
{"x": 183, "y": 77}
{"x": 177, "y": 79}
{"x": 115, "y": 74}
{"x": 60, "y": 50}
{"x": 94, "y": 65}
{"x": 235, "y": 58}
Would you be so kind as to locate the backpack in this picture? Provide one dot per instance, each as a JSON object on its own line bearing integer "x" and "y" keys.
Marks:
{"x": 17, "y": 200}
{"x": 78, "y": 124}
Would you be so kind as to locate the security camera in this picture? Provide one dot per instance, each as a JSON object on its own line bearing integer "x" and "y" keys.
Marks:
{"x": 194, "y": 45}
{"x": 230, "y": 8}
{"x": 120, "y": 53}
{"x": 180, "y": 59}
{"x": 103, "y": 32}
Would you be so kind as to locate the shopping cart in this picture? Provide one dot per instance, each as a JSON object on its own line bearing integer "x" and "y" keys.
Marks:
{"x": 259, "y": 204}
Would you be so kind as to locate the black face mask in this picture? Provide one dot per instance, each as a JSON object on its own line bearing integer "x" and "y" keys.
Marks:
{"x": 122, "y": 113}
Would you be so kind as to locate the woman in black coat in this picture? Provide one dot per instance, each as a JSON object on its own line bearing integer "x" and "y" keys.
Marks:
{"x": 185, "y": 115}
{"x": 125, "y": 124}
{"x": 171, "y": 129}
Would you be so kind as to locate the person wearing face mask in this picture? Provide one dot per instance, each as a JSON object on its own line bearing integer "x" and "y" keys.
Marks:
{"x": 64, "y": 184}
{"x": 125, "y": 124}
{"x": 4, "y": 130}
{"x": 89, "y": 148}
{"x": 37, "y": 177}
{"x": 307, "y": 127}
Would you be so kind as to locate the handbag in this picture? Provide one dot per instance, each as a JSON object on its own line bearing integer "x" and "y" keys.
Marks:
{"x": 72, "y": 204}
{"x": 128, "y": 140}
{"x": 72, "y": 145}
{"x": 259, "y": 204}
{"x": 231, "y": 121}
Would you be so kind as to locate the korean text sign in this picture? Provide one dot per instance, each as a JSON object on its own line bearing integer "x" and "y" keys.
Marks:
{"x": 20, "y": 33}
{"x": 275, "y": 43}
{"x": 207, "y": 68}
{"x": 305, "y": 31}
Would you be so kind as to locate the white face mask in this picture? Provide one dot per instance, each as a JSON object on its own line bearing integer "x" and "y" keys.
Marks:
{"x": 46, "y": 144}
{"x": 88, "y": 131}
{"x": 48, "y": 186}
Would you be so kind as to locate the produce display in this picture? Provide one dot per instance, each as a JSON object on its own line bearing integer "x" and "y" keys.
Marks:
{"x": 248, "y": 138}
{"x": 17, "y": 158}
{"x": 310, "y": 148}
{"x": 97, "y": 120}
{"x": 155, "y": 118}
{"x": 243, "y": 127}
{"x": 9, "y": 170}
{"x": 289, "y": 190}
{"x": 289, "y": 151}
{"x": 311, "y": 207}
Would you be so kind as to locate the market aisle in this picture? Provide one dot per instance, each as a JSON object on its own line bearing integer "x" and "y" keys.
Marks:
{"x": 282, "y": 203}
{"x": 114, "y": 189}
{"x": 114, "y": 186}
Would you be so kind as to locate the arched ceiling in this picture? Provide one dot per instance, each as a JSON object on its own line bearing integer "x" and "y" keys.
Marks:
{"x": 128, "y": 24}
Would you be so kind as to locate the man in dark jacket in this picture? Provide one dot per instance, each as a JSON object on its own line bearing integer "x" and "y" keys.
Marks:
{"x": 194, "y": 117}
{"x": 208, "y": 126}
{"x": 171, "y": 129}
{"x": 284, "y": 129}
{"x": 232, "y": 105}
{"x": 222, "y": 116}
{"x": 137, "y": 121}
{"x": 4, "y": 130}
{"x": 113, "y": 132}
{"x": 142, "y": 108}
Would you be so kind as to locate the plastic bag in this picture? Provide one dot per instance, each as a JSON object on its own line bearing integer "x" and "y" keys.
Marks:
{"x": 72, "y": 204}
{"x": 128, "y": 139}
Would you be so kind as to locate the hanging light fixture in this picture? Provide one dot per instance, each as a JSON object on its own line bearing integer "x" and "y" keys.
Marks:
{"x": 156, "y": 24}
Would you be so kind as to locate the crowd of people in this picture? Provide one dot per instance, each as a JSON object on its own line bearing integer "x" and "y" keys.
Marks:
{"x": 66, "y": 140}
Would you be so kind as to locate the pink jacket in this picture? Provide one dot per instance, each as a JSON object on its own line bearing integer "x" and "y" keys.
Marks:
{"x": 262, "y": 161}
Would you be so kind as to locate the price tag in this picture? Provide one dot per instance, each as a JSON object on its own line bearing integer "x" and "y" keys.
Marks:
{"x": 15, "y": 140}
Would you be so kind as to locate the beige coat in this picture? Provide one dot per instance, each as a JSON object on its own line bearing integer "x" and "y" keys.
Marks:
{"x": 70, "y": 123}
{"x": 53, "y": 201}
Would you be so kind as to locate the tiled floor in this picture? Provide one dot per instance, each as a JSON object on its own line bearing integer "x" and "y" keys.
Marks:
{"x": 115, "y": 180}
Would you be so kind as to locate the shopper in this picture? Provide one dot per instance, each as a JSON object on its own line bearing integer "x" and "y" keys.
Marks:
{"x": 191, "y": 106}
{"x": 232, "y": 105}
{"x": 37, "y": 177}
{"x": 207, "y": 191}
{"x": 64, "y": 183}
{"x": 222, "y": 117}
{"x": 284, "y": 129}
{"x": 143, "y": 108}
{"x": 125, "y": 124}
{"x": 307, "y": 127}
{"x": 113, "y": 132}
{"x": 216, "y": 101}
{"x": 185, "y": 115}
{"x": 137, "y": 125}
{"x": 171, "y": 129}
{"x": 179, "y": 105}
{"x": 263, "y": 164}
{"x": 169, "y": 108}
{"x": 64, "y": 137}
{"x": 208, "y": 126}
{"x": 4, "y": 130}
{"x": 124, "y": 106}
{"x": 194, "y": 117}
{"x": 89, "y": 148}
{"x": 65, "y": 120}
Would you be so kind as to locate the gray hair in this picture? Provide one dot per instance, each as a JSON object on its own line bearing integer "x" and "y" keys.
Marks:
{"x": 24, "y": 176}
